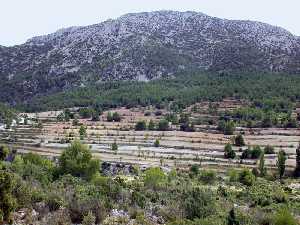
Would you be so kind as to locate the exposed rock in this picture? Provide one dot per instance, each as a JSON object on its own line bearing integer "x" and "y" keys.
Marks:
{"x": 144, "y": 46}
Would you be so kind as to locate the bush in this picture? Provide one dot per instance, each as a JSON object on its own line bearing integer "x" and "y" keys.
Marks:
{"x": 156, "y": 143}
{"x": 141, "y": 125}
{"x": 199, "y": 203}
{"x": 239, "y": 140}
{"x": 227, "y": 127}
{"x": 86, "y": 113}
{"x": 229, "y": 153}
{"x": 154, "y": 177}
{"x": 77, "y": 161}
{"x": 114, "y": 146}
{"x": 208, "y": 176}
{"x": 284, "y": 217}
{"x": 246, "y": 177}
{"x": 194, "y": 169}
{"x": 7, "y": 201}
{"x": 256, "y": 152}
{"x": 233, "y": 175}
{"x": 163, "y": 125}
{"x": 269, "y": 150}
{"x": 4, "y": 151}
{"x": 151, "y": 125}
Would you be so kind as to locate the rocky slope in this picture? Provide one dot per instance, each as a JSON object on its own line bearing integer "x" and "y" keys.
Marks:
{"x": 144, "y": 46}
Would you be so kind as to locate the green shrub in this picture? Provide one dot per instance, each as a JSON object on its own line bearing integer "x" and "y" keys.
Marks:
{"x": 163, "y": 125}
{"x": 239, "y": 140}
{"x": 269, "y": 150}
{"x": 7, "y": 201}
{"x": 199, "y": 203}
{"x": 154, "y": 177}
{"x": 229, "y": 153}
{"x": 208, "y": 176}
{"x": 284, "y": 217}
{"x": 77, "y": 161}
{"x": 246, "y": 177}
{"x": 140, "y": 126}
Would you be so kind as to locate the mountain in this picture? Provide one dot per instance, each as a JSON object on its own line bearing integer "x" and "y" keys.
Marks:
{"x": 143, "y": 46}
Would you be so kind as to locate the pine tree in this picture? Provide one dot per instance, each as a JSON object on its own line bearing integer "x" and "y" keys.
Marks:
{"x": 281, "y": 158}
{"x": 261, "y": 167}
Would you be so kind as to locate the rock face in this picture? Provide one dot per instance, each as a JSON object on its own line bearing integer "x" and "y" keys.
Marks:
{"x": 144, "y": 46}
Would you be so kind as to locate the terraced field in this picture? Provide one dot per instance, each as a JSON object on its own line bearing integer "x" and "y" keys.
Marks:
{"x": 177, "y": 148}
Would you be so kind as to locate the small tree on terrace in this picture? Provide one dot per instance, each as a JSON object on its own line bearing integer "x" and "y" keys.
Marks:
{"x": 239, "y": 140}
{"x": 163, "y": 125}
{"x": 140, "y": 125}
{"x": 82, "y": 131}
{"x": 281, "y": 158}
{"x": 297, "y": 170}
{"x": 151, "y": 125}
{"x": 262, "y": 169}
{"x": 229, "y": 153}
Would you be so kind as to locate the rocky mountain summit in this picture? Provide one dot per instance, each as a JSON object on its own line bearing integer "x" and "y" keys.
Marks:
{"x": 143, "y": 46}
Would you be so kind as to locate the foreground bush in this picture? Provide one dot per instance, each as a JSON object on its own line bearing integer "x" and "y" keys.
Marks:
{"x": 77, "y": 161}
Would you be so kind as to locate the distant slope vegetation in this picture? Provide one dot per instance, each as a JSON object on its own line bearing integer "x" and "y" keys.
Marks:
{"x": 143, "y": 46}
{"x": 181, "y": 91}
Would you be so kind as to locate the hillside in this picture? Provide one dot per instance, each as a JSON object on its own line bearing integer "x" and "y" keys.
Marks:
{"x": 142, "y": 47}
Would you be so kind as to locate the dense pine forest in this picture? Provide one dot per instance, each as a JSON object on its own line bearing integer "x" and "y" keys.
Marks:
{"x": 263, "y": 89}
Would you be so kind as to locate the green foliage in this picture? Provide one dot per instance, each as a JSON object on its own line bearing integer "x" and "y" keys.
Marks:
{"x": 116, "y": 117}
{"x": 4, "y": 151}
{"x": 163, "y": 125}
{"x": 172, "y": 118}
{"x": 264, "y": 193}
{"x": 7, "y": 201}
{"x": 208, "y": 176}
{"x": 281, "y": 158}
{"x": 82, "y": 131}
{"x": 194, "y": 169}
{"x": 151, "y": 125}
{"x": 113, "y": 117}
{"x": 114, "y": 146}
{"x": 239, "y": 140}
{"x": 7, "y": 114}
{"x": 229, "y": 153}
{"x": 261, "y": 166}
{"x": 233, "y": 175}
{"x": 199, "y": 203}
{"x": 154, "y": 177}
{"x": 246, "y": 177}
{"x": 86, "y": 113}
{"x": 284, "y": 217}
{"x": 269, "y": 150}
{"x": 227, "y": 127}
{"x": 268, "y": 91}
{"x": 156, "y": 143}
{"x": 253, "y": 153}
{"x": 140, "y": 125}
{"x": 77, "y": 161}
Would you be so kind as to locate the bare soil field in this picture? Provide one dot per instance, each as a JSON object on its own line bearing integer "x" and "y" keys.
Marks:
{"x": 177, "y": 148}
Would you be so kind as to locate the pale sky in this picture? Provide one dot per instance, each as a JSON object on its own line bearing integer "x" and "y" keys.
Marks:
{"x": 23, "y": 19}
